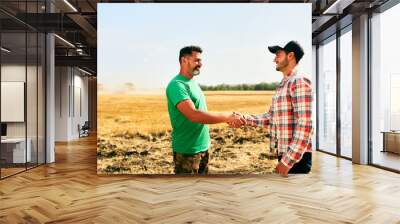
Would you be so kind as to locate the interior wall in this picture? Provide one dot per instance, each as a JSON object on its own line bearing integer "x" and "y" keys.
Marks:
{"x": 71, "y": 102}
{"x": 62, "y": 81}
{"x": 32, "y": 127}
{"x": 12, "y": 73}
{"x": 81, "y": 108}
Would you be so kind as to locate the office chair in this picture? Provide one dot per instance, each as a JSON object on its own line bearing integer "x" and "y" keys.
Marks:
{"x": 84, "y": 130}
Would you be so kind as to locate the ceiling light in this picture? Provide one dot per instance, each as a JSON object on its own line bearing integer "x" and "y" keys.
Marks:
{"x": 86, "y": 72}
{"x": 79, "y": 51}
{"x": 71, "y": 6}
{"x": 5, "y": 50}
{"x": 64, "y": 40}
{"x": 337, "y": 7}
{"x": 329, "y": 9}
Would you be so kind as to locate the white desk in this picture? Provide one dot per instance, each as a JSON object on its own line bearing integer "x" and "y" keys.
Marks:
{"x": 19, "y": 149}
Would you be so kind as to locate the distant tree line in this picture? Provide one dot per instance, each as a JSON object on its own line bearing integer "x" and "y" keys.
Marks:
{"x": 253, "y": 87}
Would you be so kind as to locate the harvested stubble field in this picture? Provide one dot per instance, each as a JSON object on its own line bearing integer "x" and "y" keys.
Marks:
{"x": 134, "y": 134}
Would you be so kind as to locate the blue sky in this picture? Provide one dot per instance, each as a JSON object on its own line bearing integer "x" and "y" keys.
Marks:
{"x": 140, "y": 43}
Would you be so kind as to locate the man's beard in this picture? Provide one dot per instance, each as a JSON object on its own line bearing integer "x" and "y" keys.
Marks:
{"x": 196, "y": 72}
{"x": 281, "y": 65}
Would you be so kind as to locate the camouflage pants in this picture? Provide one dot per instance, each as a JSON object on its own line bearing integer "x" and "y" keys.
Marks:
{"x": 191, "y": 164}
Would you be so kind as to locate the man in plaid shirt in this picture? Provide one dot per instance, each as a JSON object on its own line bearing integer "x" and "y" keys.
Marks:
{"x": 289, "y": 117}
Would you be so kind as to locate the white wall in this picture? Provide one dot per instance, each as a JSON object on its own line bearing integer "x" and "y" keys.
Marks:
{"x": 71, "y": 94}
{"x": 12, "y": 73}
{"x": 80, "y": 110}
{"x": 33, "y": 127}
{"x": 62, "y": 81}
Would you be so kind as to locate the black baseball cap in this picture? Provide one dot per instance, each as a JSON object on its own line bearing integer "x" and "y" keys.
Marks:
{"x": 292, "y": 46}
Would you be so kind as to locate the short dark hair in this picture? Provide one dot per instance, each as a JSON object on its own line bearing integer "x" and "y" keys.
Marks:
{"x": 188, "y": 50}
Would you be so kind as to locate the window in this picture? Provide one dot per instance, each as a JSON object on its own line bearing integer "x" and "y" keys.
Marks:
{"x": 346, "y": 94}
{"x": 385, "y": 89}
{"x": 327, "y": 96}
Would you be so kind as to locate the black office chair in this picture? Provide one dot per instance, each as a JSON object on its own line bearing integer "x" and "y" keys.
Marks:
{"x": 84, "y": 130}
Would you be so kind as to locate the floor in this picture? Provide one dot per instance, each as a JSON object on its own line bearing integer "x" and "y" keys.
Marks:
{"x": 9, "y": 170}
{"x": 387, "y": 159}
{"x": 70, "y": 191}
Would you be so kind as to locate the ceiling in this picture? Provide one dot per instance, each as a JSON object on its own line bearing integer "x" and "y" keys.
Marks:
{"x": 76, "y": 22}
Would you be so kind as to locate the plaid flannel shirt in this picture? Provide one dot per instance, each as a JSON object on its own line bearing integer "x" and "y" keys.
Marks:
{"x": 289, "y": 119}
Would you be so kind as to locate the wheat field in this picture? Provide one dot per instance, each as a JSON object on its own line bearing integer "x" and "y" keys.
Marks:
{"x": 134, "y": 134}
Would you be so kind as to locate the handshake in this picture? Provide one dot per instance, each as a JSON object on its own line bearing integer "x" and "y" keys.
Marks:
{"x": 237, "y": 120}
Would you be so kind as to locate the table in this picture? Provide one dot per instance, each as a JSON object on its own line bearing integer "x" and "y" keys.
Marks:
{"x": 391, "y": 141}
{"x": 16, "y": 147}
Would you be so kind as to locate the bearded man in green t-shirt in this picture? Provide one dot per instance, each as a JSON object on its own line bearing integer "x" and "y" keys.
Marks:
{"x": 189, "y": 117}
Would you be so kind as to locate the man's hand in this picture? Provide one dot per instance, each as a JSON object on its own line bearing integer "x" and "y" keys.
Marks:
{"x": 236, "y": 120}
{"x": 282, "y": 169}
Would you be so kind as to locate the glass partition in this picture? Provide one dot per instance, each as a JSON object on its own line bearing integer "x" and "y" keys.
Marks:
{"x": 14, "y": 153}
{"x": 385, "y": 89}
{"x": 327, "y": 96}
{"x": 346, "y": 93}
{"x": 22, "y": 64}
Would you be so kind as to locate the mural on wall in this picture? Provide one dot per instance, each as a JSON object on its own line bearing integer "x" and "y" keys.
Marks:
{"x": 178, "y": 83}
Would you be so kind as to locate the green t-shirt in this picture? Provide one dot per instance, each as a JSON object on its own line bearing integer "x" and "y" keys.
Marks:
{"x": 187, "y": 137}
